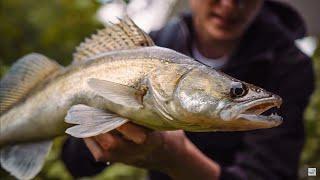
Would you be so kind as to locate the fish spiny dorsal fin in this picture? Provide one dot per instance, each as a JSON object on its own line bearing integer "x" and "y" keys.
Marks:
{"x": 23, "y": 76}
{"x": 124, "y": 35}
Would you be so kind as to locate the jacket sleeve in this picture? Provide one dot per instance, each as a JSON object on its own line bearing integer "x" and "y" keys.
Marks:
{"x": 78, "y": 159}
{"x": 274, "y": 153}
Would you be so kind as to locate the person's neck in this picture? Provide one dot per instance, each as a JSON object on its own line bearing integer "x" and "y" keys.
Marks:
{"x": 213, "y": 48}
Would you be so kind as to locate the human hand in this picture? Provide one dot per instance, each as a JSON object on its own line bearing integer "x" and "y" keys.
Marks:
{"x": 135, "y": 145}
{"x": 169, "y": 151}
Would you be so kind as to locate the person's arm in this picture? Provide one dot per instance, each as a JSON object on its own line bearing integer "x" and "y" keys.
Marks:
{"x": 193, "y": 164}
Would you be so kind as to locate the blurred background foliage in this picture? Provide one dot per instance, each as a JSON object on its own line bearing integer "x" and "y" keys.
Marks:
{"x": 55, "y": 28}
{"x": 51, "y": 27}
{"x": 311, "y": 153}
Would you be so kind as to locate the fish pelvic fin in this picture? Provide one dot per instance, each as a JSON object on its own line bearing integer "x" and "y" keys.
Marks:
{"x": 24, "y": 76}
{"x": 24, "y": 161}
{"x": 91, "y": 121}
{"x": 124, "y": 35}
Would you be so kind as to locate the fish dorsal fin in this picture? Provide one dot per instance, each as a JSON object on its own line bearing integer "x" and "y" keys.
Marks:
{"x": 124, "y": 35}
{"x": 23, "y": 76}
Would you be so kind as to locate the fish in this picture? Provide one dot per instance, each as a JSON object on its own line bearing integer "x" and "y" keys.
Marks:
{"x": 119, "y": 75}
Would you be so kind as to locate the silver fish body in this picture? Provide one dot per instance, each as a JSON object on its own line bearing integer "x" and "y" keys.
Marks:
{"x": 41, "y": 115}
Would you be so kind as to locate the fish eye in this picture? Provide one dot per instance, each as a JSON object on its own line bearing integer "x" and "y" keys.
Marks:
{"x": 238, "y": 90}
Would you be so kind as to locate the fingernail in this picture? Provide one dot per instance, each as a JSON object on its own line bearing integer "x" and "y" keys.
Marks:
{"x": 141, "y": 138}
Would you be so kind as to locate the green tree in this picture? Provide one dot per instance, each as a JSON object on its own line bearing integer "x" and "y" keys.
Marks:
{"x": 311, "y": 153}
{"x": 53, "y": 28}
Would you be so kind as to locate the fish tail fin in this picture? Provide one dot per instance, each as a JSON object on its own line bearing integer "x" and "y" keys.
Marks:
{"x": 24, "y": 76}
{"x": 24, "y": 161}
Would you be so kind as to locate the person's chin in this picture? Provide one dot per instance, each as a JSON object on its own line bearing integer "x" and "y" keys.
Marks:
{"x": 222, "y": 30}
{"x": 222, "y": 34}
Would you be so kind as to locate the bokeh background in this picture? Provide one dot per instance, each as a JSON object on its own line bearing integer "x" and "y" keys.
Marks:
{"x": 56, "y": 27}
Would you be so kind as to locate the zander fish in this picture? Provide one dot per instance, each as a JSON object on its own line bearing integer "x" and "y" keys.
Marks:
{"x": 118, "y": 75}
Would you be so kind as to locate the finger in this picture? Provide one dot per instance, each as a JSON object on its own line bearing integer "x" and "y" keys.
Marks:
{"x": 133, "y": 132}
{"x": 105, "y": 140}
{"x": 110, "y": 142}
{"x": 95, "y": 149}
{"x": 118, "y": 148}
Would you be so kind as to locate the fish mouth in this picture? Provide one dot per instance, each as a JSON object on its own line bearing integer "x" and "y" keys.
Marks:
{"x": 258, "y": 111}
{"x": 252, "y": 114}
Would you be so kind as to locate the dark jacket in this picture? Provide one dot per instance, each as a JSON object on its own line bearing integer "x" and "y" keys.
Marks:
{"x": 267, "y": 57}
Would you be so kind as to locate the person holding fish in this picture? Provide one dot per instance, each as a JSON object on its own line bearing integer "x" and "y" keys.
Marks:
{"x": 124, "y": 99}
{"x": 249, "y": 40}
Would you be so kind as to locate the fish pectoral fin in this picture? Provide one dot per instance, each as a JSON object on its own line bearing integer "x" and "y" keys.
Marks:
{"x": 91, "y": 121}
{"x": 117, "y": 93}
{"x": 24, "y": 161}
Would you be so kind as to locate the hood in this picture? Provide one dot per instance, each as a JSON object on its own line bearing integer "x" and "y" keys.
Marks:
{"x": 284, "y": 17}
